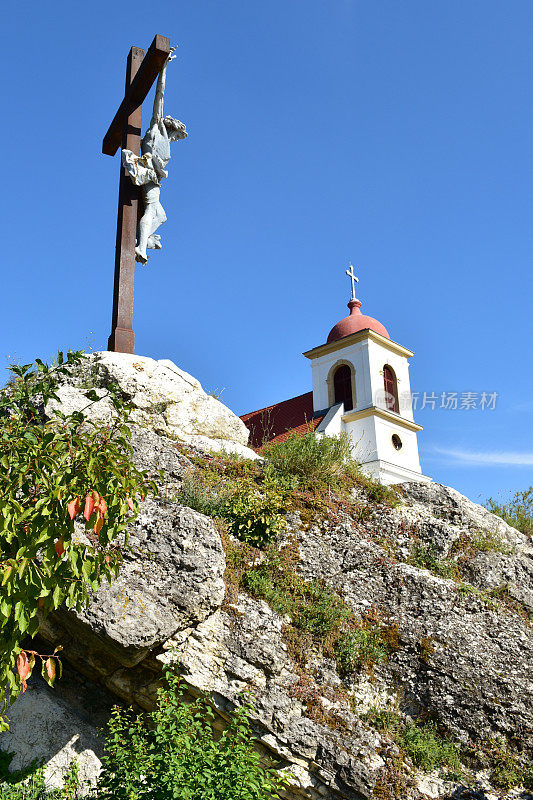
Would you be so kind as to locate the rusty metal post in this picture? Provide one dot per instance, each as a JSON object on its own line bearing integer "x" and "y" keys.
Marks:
{"x": 122, "y": 338}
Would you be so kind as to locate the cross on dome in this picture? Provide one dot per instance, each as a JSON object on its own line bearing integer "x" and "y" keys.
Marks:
{"x": 353, "y": 278}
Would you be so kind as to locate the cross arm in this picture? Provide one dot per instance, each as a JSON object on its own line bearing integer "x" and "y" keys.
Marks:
{"x": 148, "y": 71}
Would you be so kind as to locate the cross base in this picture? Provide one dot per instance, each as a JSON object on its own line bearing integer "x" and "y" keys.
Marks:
{"x": 121, "y": 340}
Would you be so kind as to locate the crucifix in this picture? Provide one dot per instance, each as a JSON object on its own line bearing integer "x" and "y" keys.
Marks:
{"x": 354, "y": 280}
{"x": 136, "y": 230}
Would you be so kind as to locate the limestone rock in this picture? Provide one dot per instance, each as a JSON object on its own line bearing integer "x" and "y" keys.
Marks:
{"x": 165, "y": 399}
{"x": 44, "y": 728}
{"x": 171, "y": 579}
{"x": 465, "y": 656}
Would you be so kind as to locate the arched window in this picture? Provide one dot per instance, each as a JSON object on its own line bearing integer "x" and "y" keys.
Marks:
{"x": 342, "y": 386}
{"x": 391, "y": 389}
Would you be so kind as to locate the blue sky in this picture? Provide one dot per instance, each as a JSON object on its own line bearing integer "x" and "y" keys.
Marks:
{"x": 397, "y": 135}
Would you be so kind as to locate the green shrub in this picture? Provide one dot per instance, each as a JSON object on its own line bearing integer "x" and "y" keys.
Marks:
{"x": 171, "y": 754}
{"x": 314, "y": 460}
{"x": 54, "y": 472}
{"x": 518, "y": 512}
{"x": 254, "y": 516}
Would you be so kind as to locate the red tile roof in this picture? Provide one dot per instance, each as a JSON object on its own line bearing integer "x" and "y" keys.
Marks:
{"x": 276, "y": 423}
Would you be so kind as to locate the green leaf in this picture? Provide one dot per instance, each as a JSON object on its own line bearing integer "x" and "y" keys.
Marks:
{"x": 57, "y": 596}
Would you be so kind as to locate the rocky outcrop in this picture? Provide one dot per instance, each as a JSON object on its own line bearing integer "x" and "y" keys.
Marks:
{"x": 464, "y": 645}
{"x": 165, "y": 399}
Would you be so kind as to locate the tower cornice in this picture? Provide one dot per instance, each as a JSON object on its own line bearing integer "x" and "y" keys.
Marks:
{"x": 383, "y": 413}
{"x": 354, "y": 338}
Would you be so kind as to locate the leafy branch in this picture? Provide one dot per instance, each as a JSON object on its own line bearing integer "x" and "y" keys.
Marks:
{"x": 68, "y": 489}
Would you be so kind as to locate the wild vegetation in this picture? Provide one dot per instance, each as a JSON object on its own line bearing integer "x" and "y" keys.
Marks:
{"x": 319, "y": 617}
{"x": 170, "y": 753}
{"x": 430, "y": 748}
{"x": 56, "y": 473}
{"x": 251, "y": 499}
{"x": 313, "y": 475}
{"x": 518, "y": 511}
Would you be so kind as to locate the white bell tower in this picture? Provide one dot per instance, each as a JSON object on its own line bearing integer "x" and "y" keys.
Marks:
{"x": 361, "y": 384}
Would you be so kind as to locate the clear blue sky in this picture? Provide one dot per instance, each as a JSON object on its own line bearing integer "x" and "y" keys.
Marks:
{"x": 398, "y": 135}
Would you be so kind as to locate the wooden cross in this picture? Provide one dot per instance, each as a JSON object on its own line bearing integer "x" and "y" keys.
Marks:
{"x": 354, "y": 280}
{"x": 125, "y": 132}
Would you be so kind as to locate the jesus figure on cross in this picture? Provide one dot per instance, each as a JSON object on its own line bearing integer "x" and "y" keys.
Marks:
{"x": 148, "y": 169}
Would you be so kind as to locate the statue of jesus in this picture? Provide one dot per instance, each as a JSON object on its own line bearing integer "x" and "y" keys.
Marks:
{"x": 148, "y": 169}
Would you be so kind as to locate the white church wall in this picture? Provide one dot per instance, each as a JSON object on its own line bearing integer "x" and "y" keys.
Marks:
{"x": 332, "y": 424}
{"x": 407, "y": 457}
{"x": 362, "y": 433}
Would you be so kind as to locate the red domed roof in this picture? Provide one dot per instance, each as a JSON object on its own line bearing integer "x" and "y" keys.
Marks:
{"x": 354, "y": 323}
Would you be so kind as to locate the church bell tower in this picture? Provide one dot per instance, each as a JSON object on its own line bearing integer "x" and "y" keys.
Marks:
{"x": 361, "y": 386}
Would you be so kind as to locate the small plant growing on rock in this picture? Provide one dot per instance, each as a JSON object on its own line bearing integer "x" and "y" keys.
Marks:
{"x": 254, "y": 516}
{"x": 425, "y": 556}
{"x": 488, "y": 541}
{"x": 422, "y": 741}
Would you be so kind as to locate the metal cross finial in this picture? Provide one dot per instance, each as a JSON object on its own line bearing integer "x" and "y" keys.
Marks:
{"x": 353, "y": 279}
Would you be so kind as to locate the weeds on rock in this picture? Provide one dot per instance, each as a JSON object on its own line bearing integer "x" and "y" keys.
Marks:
{"x": 517, "y": 512}
{"x": 230, "y": 491}
{"x": 311, "y": 475}
{"x": 392, "y": 784}
{"x": 506, "y": 769}
{"x": 488, "y": 541}
{"x": 312, "y": 697}
{"x": 322, "y": 463}
{"x": 421, "y": 741}
{"x": 200, "y": 497}
{"x": 430, "y": 749}
{"x": 317, "y": 461}
{"x": 425, "y": 556}
{"x": 498, "y": 599}
{"x": 319, "y": 616}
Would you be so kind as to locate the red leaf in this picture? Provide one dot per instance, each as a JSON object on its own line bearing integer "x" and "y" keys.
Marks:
{"x": 130, "y": 504}
{"x": 102, "y": 506}
{"x": 107, "y": 560}
{"x": 51, "y": 668}
{"x": 89, "y": 507}
{"x": 74, "y": 507}
{"x": 59, "y": 546}
{"x": 59, "y": 495}
{"x": 23, "y": 666}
